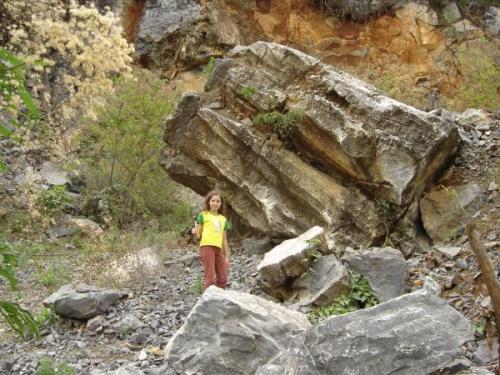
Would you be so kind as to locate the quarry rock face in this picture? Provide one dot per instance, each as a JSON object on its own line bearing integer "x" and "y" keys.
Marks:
{"x": 348, "y": 146}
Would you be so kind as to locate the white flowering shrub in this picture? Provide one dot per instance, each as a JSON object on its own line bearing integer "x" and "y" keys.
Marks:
{"x": 80, "y": 50}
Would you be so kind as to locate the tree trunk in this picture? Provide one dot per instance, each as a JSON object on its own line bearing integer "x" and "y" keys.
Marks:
{"x": 489, "y": 276}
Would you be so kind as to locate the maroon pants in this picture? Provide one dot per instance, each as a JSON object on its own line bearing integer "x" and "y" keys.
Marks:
{"x": 214, "y": 265}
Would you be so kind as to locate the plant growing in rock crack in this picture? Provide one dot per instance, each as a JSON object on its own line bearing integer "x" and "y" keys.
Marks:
{"x": 209, "y": 68}
{"x": 282, "y": 123}
{"x": 248, "y": 91}
{"x": 479, "y": 328}
{"x": 314, "y": 252}
{"x": 385, "y": 211}
{"x": 360, "y": 297}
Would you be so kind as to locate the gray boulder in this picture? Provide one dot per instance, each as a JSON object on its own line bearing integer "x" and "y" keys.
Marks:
{"x": 485, "y": 355}
{"x": 450, "y": 14}
{"x": 414, "y": 334}
{"x": 385, "y": 268}
{"x": 83, "y": 302}
{"x": 443, "y": 210}
{"x": 53, "y": 175}
{"x": 289, "y": 259}
{"x": 325, "y": 280}
{"x": 232, "y": 333}
{"x": 168, "y": 34}
{"x": 492, "y": 21}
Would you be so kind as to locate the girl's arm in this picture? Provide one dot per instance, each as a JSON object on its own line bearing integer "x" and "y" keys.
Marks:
{"x": 225, "y": 245}
{"x": 198, "y": 230}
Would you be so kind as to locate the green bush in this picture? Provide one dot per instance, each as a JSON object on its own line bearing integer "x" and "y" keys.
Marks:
{"x": 20, "y": 320}
{"x": 282, "y": 123}
{"x": 53, "y": 275}
{"x": 53, "y": 200}
{"x": 122, "y": 150}
{"x": 47, "y": 367}
{"x": 17, "y": 221}
{"x": 248, "y": 91}
{"x": 360, "y": 297}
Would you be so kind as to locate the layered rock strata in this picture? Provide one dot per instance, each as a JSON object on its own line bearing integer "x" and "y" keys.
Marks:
{"x": 352, "y": 147}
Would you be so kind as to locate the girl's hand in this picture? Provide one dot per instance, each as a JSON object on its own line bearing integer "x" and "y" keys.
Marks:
{"x": 227, "y": 262}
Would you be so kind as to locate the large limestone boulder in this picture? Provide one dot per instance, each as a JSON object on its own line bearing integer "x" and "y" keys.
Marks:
{"x": 352, "y": 145}
{"x": 232, "y": 333}
{"x": 83, "y": 302}
{"x": 415, "y": 334}
{"x": 385, "y": 269}
{"x": 443, "y": 210}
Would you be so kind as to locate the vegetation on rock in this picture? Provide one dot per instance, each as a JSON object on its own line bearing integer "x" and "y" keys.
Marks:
{"x": 360, "y": 297}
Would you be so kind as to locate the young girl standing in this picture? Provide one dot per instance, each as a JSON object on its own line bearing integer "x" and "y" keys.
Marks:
{"x": 211, "y": 230}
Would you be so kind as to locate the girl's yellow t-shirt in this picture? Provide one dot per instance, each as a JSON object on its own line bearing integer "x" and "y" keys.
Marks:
{"x": 213, "y": 228}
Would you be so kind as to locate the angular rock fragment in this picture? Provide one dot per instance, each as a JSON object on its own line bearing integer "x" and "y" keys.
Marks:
{"x": 232, "y": 333}
{"x": 325, "y": 280}
{"x": 289, "y": 259}
{"x": 385, "y": 268}
{"x": 164, "y": 26}
{"x": 443, "y": 210}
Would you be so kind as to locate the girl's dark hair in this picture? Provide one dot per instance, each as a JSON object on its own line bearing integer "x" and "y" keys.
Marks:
{"x": 207, "y": 201}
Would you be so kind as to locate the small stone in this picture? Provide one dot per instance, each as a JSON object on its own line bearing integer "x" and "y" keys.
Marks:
{"x": 142, "y": 355}
{"x": 492, "y": 186}
{"x": 486, "y": 303}
{"x": 492, "y": 244}
{"x": 483, "y": 126}
{"x": 81, "y": 344}
{"x": 69, "y": 246}
{"x": 450, "y": 251}
{"x": 462, "y": 263}
{"x": 418, "y": 283}
{"x": 491, "y": 237}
